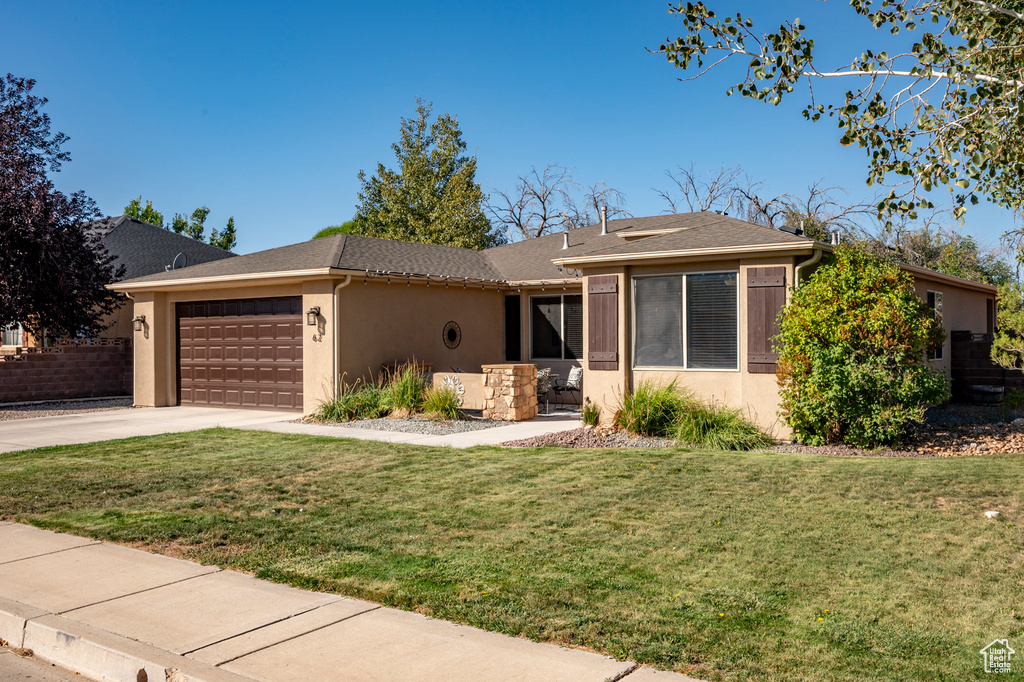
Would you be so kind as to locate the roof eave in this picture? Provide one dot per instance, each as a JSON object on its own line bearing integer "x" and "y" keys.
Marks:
{"x": 222, "y": 281}
{"x": 925, "y": 273}
{"x": 797, "y": 248}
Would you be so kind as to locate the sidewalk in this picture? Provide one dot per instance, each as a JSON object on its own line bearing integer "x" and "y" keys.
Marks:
{"x": 538, "y": 426}
{"x": 119, "y": 614}
{"x": 90, "y": 427}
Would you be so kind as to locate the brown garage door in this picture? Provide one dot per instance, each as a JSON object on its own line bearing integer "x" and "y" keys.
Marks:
{"x": 241, "y": 353}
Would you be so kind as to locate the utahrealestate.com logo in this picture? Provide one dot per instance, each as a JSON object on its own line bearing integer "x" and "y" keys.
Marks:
{"x": 997, "y": 656}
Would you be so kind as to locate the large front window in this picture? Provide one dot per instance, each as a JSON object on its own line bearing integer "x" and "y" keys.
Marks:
{"x": 686, "y": 321}
{"x": 556, "y": 327}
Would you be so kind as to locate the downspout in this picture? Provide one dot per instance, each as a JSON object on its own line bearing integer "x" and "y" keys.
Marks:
{"x": 337, "y": 331}
{"x": 806, "y": 264}
{"x": 128, "y": 295}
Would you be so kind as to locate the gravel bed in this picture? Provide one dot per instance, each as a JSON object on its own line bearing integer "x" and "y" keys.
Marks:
{"x": 59, "y": 407}
{"x": 425, "y": 426}
{"x": 588, "y": 438}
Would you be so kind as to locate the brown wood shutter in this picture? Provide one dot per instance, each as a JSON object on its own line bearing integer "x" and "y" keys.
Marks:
{"x": 603, "y": 322}
{"x": 766, "y": 295}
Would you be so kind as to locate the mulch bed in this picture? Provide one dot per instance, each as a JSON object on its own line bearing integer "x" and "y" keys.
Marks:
{"x": 949, "y": 431}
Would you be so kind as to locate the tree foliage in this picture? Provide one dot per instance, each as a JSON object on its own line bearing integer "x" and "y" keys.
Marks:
{"x": 432, "y": 197}
{"x": 941, "y": 110}
{"x": 193, "y": 225}
{"x": 1008, "y": 342}
{"x": 347, "y": 227}
{"x": 852, "y": 347}
{"x": 146, "y": 214}
{"x": 54, "y": 272}
{"x": 552, "y": 201}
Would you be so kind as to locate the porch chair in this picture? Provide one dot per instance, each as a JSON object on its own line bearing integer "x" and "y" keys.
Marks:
{"x": 543, "y": 386}
{"x": 573, "y": 383}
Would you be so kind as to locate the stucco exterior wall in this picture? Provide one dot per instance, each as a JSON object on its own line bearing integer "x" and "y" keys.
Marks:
{"x": 962, "y": 310}
{"x": 385, "y": 323}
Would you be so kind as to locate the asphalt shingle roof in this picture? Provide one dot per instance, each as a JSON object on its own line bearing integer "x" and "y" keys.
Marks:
{"x": 526, "y": 260}
{"x": 145, "y": 249}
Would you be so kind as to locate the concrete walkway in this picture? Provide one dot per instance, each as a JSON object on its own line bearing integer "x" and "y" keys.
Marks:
{"x": 118, "y": 614}
{"x": 90, "y": 427}
{"x": 538, "y": 426}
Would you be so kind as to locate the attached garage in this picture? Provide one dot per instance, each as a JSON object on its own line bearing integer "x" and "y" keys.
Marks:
{"x": 241, "y": 353}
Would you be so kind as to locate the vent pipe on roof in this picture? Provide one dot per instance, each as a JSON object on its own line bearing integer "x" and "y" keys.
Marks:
{"x": 565, "y": 240}
{"x": 604, "y": 220}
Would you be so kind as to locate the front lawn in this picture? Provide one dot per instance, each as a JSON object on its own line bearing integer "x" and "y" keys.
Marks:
{"x": 720, "y": 565}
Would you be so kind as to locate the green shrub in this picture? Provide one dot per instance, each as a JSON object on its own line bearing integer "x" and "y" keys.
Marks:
{"x": 651, "y": 410}
{"x": 591, "y": 413}
{"x": 852, "y": 350}
{"x": 441, "y": 402}
{"x": 719, "y": 428}
{"x": 353, "y": 402}
{"x": 404, "y": 391}
{"x": 1014, "y": 399}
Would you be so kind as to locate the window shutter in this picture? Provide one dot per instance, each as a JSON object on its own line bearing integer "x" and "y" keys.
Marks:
{"x": 766, "y": 295}
{"x": 603, "y": 322}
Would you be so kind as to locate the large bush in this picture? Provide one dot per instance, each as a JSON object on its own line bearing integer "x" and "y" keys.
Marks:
{"x": 853, "y": 342}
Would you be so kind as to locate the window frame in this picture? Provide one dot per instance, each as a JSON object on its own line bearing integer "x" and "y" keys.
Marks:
{"x": 17, "y": 332}
{"x": 561, "y": 324}
{"x": 931, "y": 298}
{"x": 685, "y": 326}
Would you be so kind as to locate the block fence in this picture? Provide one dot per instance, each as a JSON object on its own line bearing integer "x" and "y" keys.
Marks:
{"x": 971, "y": 365}
{"x": 80, "y": 369}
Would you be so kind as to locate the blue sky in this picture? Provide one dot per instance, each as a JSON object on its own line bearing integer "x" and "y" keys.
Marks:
{"x": 266, "y": 111}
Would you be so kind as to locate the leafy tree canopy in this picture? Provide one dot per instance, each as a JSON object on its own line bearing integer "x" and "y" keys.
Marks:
{"x": 54, "y": 272}
{"x": 852, "y": 349}
{"x": 347, "y": 227}
{"x": 940, "y": 109}
{"x": 193, "y": 226}
{"x": 432, "y": 197}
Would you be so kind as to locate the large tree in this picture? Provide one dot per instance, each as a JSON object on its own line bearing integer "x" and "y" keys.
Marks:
{"x": 941, "y": 108}
{"x": 432, "y": 196}
{"x": 552, "y": 201}
{"x": 54, "y": 271}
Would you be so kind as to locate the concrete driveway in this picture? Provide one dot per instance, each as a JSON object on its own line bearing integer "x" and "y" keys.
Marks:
{"x": 89, "y": 427}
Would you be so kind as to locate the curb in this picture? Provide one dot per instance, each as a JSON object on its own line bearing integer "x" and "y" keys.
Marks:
{"x": 97, "y": 653}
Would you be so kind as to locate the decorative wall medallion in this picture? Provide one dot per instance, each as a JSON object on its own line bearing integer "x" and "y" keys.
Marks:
{"x": 452, "y": 335}
{"x": 451, "y": 381}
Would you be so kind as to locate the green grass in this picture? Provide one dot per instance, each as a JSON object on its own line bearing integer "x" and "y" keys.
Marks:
{"x": 718, "y": 427}
{"x": 725, "y": 566}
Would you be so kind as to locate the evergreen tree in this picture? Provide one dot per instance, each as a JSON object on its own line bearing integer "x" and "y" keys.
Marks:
{"x": 432, "y": 197}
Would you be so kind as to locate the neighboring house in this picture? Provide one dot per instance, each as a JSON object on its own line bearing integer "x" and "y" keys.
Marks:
{"x": 691, "y": 297}
{"x": 143, "y": 249}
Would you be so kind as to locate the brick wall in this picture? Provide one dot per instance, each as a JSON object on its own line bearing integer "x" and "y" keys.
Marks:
{"x": 81, "y": 369}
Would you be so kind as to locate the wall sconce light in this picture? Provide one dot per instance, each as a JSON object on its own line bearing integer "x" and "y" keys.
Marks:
{"x": 138, "y": 322}
{"x": 311, "y": 315}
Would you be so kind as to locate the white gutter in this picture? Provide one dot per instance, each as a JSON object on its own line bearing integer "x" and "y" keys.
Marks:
{"x": 162, "y": 284}
{"x": 806, "y": 264}
{"x": 609, "y": 258}
{"x": 337, "y": 331}
{"x": 134, "y": 315}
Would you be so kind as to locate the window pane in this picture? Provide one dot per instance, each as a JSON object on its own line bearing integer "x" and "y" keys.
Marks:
{"x": 659, "y": 322}
{"x": 546, "y": 315}
{"x": 711, "y": 321}
{"x": 573, "y": 333}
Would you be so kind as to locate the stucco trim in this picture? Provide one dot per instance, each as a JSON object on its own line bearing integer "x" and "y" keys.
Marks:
{"x": 932, "y": 276}
{"x": 717, "y": 251}
{"x": 225, "y": 280}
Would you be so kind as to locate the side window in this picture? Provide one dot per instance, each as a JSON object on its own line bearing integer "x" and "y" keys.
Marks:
{"x": 935, "y": 303}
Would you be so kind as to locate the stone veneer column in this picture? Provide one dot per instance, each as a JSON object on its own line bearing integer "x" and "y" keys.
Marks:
{"x": 510, "y": 392}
